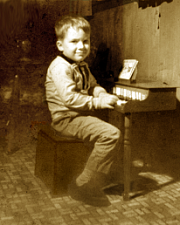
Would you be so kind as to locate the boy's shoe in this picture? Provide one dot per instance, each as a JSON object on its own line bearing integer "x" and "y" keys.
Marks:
{"x": 110, "y": 185}
{"x": 88, "y": 193}
{"x": 106, "y": 182}
{"x": 114, "y": 189}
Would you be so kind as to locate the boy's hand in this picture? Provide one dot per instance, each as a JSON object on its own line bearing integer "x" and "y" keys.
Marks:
{"x": 106, "y": 101}
{"x": 121, "y": 104}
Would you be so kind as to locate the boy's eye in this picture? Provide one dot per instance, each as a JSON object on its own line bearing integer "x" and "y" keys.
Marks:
{"x": 74, "y": 41}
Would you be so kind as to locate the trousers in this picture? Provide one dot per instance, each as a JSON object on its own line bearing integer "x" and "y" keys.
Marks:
{"x": 99, "y": 136}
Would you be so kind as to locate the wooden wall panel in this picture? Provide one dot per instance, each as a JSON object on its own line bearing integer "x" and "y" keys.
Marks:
{"x": 146, "y": 36}
{"x": 169, "y": 43}
{"x": 150, "y": 35}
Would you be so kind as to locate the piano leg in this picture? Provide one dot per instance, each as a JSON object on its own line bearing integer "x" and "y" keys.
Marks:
{"x": 127, "y": 156}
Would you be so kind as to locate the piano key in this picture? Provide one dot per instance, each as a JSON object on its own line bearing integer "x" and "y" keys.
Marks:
{"x": 133, "y": 95}
{"x": 118, "y": 90}
{"x": 128, "y": 94}
{"x": 137, "y": 95}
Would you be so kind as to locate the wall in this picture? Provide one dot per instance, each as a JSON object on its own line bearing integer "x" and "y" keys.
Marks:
{"x": 152, "y": 36}
{"x": 20, "y": 20}
{"x": 27, "y": 19}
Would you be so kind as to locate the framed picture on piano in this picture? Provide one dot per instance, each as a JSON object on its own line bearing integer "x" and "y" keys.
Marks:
{"x": 129, "y": 70}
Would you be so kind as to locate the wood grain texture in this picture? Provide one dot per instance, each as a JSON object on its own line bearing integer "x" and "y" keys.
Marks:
{"x": 150, "y": 35}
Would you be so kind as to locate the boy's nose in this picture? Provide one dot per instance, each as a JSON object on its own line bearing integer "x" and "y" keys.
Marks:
{"x": 80, "y": 44}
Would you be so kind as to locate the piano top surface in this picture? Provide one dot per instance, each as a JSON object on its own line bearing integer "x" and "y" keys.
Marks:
{"x": 146, "y": 84}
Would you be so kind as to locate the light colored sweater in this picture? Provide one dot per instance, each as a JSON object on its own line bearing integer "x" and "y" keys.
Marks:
{"x": 67, "y": 93}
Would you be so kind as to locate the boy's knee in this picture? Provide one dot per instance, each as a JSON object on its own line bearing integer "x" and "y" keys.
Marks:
{"x": 112, "y": 133}
{"x": 116, "y": 133}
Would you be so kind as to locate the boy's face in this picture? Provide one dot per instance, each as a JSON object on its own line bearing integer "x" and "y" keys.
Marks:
{"x": 75, "y": 45}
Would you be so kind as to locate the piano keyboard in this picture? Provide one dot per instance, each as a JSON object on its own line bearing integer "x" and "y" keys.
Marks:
{"x": 130, "y": 93}
{"x": 144, "y": 97}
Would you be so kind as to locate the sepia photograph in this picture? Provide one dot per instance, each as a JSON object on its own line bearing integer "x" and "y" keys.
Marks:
{"x": 89, "y": 112}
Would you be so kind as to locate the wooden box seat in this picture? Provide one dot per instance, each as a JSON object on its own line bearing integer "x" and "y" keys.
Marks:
{"x": 58, "y": 159}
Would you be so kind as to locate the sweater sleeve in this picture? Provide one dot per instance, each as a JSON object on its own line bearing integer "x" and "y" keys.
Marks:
{"x": 62, "y": 76}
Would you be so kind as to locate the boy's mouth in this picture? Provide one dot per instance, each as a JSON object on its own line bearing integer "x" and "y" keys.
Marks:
{"x": 80, "y": 53}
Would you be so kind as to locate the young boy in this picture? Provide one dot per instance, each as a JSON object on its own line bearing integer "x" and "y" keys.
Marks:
{"x": 71, "y": 92}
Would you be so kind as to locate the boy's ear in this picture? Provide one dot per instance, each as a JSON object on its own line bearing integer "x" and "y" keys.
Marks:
{"x": 59, "y": 45}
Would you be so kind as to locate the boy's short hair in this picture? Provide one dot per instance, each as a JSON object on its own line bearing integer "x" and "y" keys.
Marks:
{"x": 77, "y": 22}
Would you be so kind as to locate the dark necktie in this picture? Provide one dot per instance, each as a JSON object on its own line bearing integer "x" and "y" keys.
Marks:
{"x": 85, "y": 75}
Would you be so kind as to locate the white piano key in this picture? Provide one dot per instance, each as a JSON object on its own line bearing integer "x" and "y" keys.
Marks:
{"x": 128, "y": 93}
{"x": 122, "y": 93}
{"x": 133, "y": 95}
{"x": 137, "y": 95}
{"x": 118, "y": 90}
{"x": 125, "y": 93}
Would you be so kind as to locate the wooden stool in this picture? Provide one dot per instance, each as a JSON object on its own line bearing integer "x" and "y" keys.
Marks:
{"x": 58, "y": 159}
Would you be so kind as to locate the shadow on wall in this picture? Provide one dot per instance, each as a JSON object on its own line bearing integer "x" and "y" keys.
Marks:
{"x": 152, "y": 3}
{"x": 107, "y": 4}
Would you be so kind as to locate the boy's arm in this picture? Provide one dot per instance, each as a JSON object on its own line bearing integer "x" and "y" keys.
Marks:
{"x": 66, "y": 88}
{"x": 72, "y": 98}
{"x": 97, "y": 91}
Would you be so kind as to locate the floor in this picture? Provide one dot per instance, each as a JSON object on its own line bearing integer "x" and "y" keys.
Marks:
{"x": 25, "y": 200}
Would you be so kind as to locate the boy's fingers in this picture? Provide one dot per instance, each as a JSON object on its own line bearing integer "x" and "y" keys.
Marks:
{"x": 115, "y": 97}
{"x": 110, "y": 106}
{"x": 121, "y": 102}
